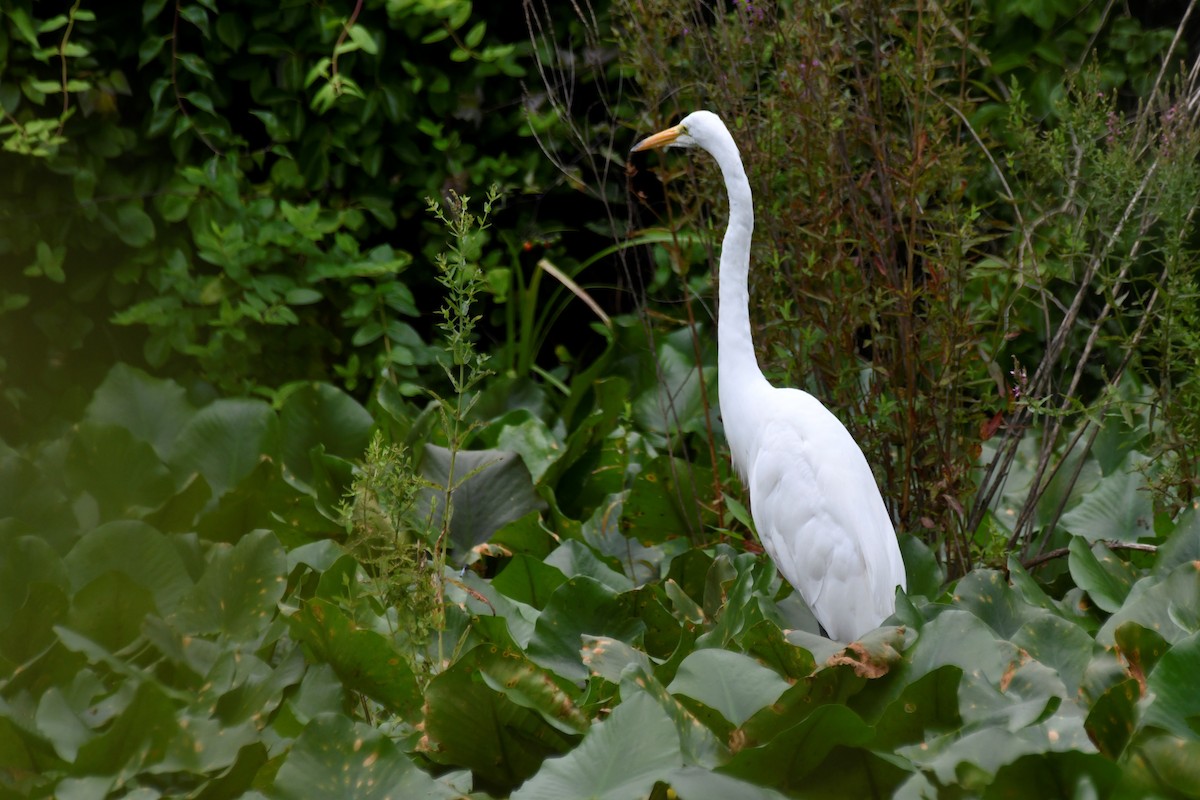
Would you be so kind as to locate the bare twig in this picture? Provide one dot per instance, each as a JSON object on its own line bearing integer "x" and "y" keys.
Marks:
{"x": 62, "y": 57}
{"x": 1111, "y": 544}
{"x": 337, "y": 46}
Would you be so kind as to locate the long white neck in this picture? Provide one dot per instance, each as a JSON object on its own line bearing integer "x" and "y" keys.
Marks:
{"x": 741, "y": 380}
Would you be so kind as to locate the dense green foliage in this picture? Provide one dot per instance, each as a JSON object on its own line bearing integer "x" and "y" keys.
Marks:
{"x": 190, "y": 611}
{"x": 304, "y": 491}
{"x": 942, "y": 209}
{"x": 237, "y": 196}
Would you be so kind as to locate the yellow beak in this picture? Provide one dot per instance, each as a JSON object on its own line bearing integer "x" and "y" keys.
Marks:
{"x": 660, "y": 139}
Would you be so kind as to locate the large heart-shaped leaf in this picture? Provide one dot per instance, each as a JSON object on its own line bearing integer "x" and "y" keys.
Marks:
{"x": 365, "y": 660}
{"x": 1174, "y": 702}
{"x": 151, "y": 409}
{"x": 731, "y": 683}
{"x": 237, "y": 594}
{"x": 472, "y": 724}
{"x": 1117, "y": 508}
{"x": 137, "y": 551}
{"x": 225, "y": 441}
{"x": 1106, "y": 578}
{"x": 621, "y": 758}
{"x": 486, "y": 489}
{"x": 336, "y": 757}
{"x": 319, "y": 414}
{"x": 123, "y": 474}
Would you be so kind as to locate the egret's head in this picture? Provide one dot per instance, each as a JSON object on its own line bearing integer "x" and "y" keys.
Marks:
{"x": 702, "y": 129}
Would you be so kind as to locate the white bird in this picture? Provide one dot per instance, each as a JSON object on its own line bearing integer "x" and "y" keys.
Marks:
{"x": 814, "y": 500}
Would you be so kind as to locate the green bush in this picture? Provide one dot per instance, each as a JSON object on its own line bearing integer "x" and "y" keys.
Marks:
{"x": 236, "y": 195}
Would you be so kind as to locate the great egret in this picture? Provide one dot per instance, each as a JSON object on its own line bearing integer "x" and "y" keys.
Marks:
{"x": 812, "y": 495}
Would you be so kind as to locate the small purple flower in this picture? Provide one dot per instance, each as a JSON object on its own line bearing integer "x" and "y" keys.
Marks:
{"x": 1020, "y": 380}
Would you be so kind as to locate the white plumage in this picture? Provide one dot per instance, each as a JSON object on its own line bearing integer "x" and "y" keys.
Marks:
{"x": 813, "y": 497}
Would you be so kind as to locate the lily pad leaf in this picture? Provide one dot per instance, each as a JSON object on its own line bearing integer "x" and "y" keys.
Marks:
{"x": 1118, "y": 507}
{"x": 238, "y": 593}
{"x": 1175, "y": 703}
{"x": 225, "y": 441}
{"x": 364, "y": 660}
{"x": 1106, "y": 578}
{"x": 152, "y": 409}
{"x": 621, "y": 758}
{"x": 488, "y": 488}
{"x": 336, "y": 757}
{"x": 470, "y": 724}
{"x": 734, "y": 684}
{"x": 320, "y": 414}
{"x": 137, "y": 551}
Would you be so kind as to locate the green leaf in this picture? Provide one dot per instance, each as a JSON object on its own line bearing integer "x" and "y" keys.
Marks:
{"x": 475, "y": 35}
{"x": 490, "y": 489}
{"x": 1025, "y": 585}
{"x": 1170, "y": 607}
{"x": 231, "y": 29}
{"x": 1164, "y": 766}
{"x": 109, "y": 610}
{"x": 365, "y": 660}
{"x": 61, "y": 724}
{"x": 1118, "y": 508}
{"x": 238, "y": 593}
{"x": 790, "y": 757}
{"x": 580, "y": 606}
{"x": 337, "y": 757}
{"x": 1174, "y": 702}
{"x": 734, "y": 684}
{"x": 149, "y": 48}
{"x": 25, "y": 561}
{"x": 925, "y": 708}
{"x": 29, "y": 630}
{"x": 1141, "y": 648}
{"x": 608, "y": 658}
{"x": 766, "y": 642}
{"x": 301, "y": 296}
{"x": 1050, "y": 776}
{"x": 134, "y": 739}
{"x": 620, "y": 758}
{"x": 1182, "y": 546}
{"x": 362, "y": 37}
{"x": 134, "y": 225}
{"x": 1059, "y": 644}
{"x": 987, "y": 595}
{"x": 925, "y": 575}
{"x": 225, "y": 441}
{"x": 472, "y": 725}
{"x": 527, "y": 685}
{"x": 137, "y": 551}
{"x": 198, "y": 16}
{"x": 695, "y": 783}
{"x": 24, "y": 25}
{"x": 531, "y": 438}
{"x": 205, "y": 744}
{"x": 123, "y": 474}
{"x": 1106, "y": 578}
{"x": 1112, "y": 718}
{"x": 663, "y": 501}
{"x": 528, "y": 580}
{"x": 573, "y": 558}
{"x": 320, "y": 414}
{"x": 151, "y": 9}
{"x": 152, "y": 409}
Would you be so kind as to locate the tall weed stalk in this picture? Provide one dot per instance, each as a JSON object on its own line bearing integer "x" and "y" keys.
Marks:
{"x": 398, "y": 521}
{"x": 949, "y": 273}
